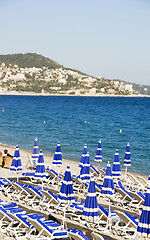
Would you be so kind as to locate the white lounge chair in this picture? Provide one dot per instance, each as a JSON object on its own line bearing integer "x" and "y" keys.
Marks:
{"x": 129, "y": 228}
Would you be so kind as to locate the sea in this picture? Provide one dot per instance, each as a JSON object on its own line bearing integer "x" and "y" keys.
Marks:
{"x": 75, "y": 121}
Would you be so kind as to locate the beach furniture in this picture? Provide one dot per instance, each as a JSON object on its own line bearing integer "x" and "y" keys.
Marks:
{"x": 136, "y": 184}
{"x": 85, "y": 169}
{"x": 53, "y": 181}
{"x": 127, "y": 159}
{"x": 143, "y": 181}
{"x": 116, "y": 170}
{"x": 66, "y": 195}
{"x": 143, "y": 230}
{"x": 52, "y": 200}
{"x": 7, "y": 161}
{"x": 91, "y": 211}
{"x": 129, "y": 228}
{"x": 31, "y": 163}
{"x": 79, "y": 186}
{"x": 101, "y": 171}
{"x": 77, "y": 235}
{"x": 98, "y": 156}
{"x": 138, "y": 196}
{"x": 1, "y": 161}
{"x": 94, "y": 171}
{"x": 96, "y": 236}
{"x": 16, "y": 165}
{"x": 125, "y": 199}
{"x": 40, "y": 173}
{"x": 83, "y": 156}
{"x": 46, "y": 231}
{"x": 108, "y": 189}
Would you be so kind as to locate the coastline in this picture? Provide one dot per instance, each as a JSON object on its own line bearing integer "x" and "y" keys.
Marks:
{"x": 74, "y": 166}
{"x": 13, "y": 93}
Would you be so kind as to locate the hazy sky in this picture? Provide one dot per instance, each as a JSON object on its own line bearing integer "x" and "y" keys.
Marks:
{"x": 107, "y": 38}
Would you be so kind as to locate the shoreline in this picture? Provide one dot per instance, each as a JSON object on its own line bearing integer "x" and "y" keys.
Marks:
{"x": 74, "y": 165}
{"x": 68, "y": 95}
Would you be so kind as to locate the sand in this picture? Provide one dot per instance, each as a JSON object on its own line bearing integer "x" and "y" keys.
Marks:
{"x": 47, "y": 159}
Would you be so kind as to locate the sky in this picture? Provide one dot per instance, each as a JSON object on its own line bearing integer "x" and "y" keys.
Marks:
{"x": 102, "y": 38}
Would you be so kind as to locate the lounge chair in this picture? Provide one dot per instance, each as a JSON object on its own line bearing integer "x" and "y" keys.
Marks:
{"x": 129, "y": 228}
{"x": 134, "y": 183}
{"x": 45, "y": 230}
{"x": 7, "y": 161}
{"x": 37, "y": 196}
{"x": 31, "y": 163}
{"x": 96, "y": 236}
{"x": 143, "y": 181}
{"x": 125, "y": 199}
{"x": 52, "y": 200}
{"x": 138, "y": 196}
{"x": 94, "y": 171}
{"x": 77, "y": 235}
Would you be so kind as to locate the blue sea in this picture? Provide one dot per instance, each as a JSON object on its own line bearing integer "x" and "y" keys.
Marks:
{"x": 75, "y": 121}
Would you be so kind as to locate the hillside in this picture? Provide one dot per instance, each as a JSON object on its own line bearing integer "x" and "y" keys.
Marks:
{"x": 28, "y": 60}
{"x": 34, "y": 73}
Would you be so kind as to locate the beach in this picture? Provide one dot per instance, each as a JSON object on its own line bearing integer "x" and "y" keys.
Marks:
{"x": 24, "y": 154}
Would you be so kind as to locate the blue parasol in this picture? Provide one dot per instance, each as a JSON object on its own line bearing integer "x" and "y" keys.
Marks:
{"x": 35, "y": 153}
{"x": 127, "y": 158}
{"x": 98, "y": 156}
{"x": 66, "y": 195}
{"x": 40, "y": 168}
{"x": 108, "y": 188}
{"x": 143, "y": 229}
{"x": 16, "y": 162}
{"x": 116, "y": 170}
{"x": 85, "y": 170}
{"x": 91, "y": 210}
{"x": 83, "y": 156}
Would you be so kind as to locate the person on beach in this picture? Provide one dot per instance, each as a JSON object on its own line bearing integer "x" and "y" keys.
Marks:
{"x": 6, "y": 153}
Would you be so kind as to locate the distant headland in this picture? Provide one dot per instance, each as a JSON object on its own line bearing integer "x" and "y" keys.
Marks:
{"x": 34, "y": 74}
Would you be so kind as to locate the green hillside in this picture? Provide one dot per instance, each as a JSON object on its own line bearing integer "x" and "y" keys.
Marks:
{"x": 28, "y": 60}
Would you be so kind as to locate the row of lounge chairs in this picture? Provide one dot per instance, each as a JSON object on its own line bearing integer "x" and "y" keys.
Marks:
{"x": 45, "y": 200}
{"x": 17, "y": 223}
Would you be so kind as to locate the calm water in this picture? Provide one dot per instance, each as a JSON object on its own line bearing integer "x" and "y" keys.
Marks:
{"x": 23, "y": 119}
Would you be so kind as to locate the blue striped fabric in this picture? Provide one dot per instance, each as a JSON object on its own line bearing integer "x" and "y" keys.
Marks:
{"x": 40, "y": 168}
{"x": 91, "y": 210}
{"x": 98, "y": 156}
{"x": 144, "y": 223}
{"x": 116, "y": 170}
{"x": 85, "y": 170}
{"x": 108, "y": 185}
{"x": 35, "y": 153}
{"x": 127, "y": 158}
{"x": 16, "y": 162}
{"x": 83, "y": 156}
{"x": 57, "y": 160}
{"x": 66, "y": 194}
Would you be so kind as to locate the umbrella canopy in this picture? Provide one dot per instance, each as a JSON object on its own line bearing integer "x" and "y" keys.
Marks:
{"x": 16, "y": 162}
{"x": 116, "y": 170}
{"x": 108, "y": 185}
{"x": 85, "y": 170}
{"x": 83, "y": 156}
{"x": 40, "y": 168}
{"x": 57, "y": 160}
{"x": 90, "y": 211}
{"x": 66, "y": 194}
{"x": 127, "y": 158}
{"x": 143, "y": 229}
{"x": 98, "y": 156}
{"x": 35, "y": 153}
{"x": 108, "y": 189}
